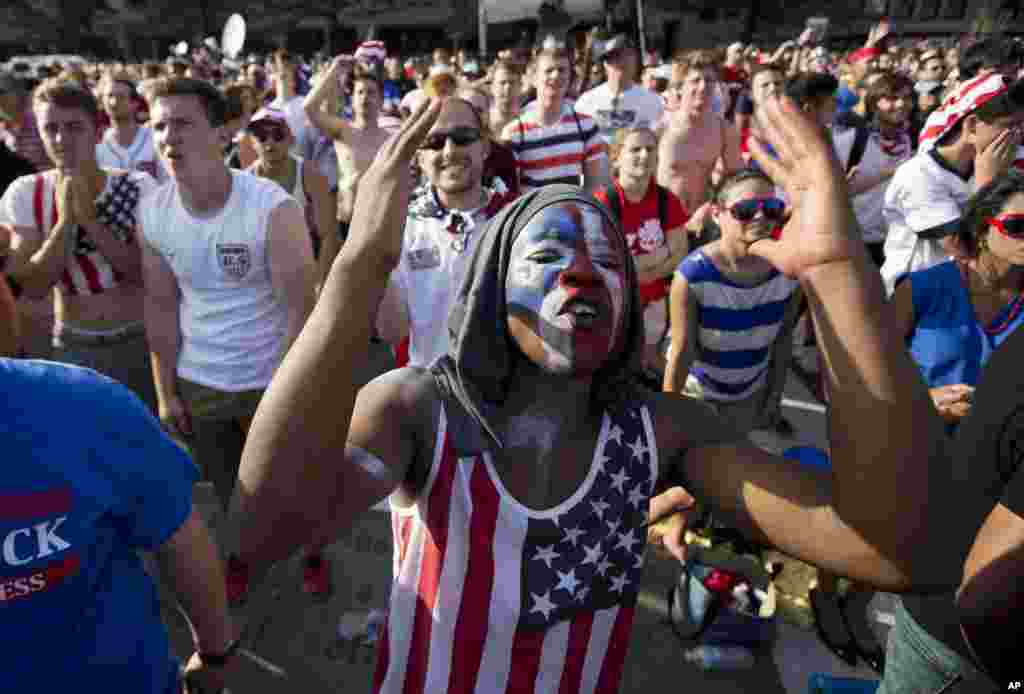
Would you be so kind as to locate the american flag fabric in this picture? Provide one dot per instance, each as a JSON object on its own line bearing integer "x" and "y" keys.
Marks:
{"x": 965, "y": 100}
{"x": 491, "y": 597}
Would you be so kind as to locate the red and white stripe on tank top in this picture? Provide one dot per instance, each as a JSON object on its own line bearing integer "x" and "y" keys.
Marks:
{"x": 87, "y": 271}
{"x": 491, "y": 597}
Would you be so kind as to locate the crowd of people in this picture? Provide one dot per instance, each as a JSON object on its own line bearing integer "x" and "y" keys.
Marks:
{"x": 593, "y": 269}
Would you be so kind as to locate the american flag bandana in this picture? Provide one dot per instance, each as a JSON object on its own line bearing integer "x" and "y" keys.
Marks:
{"x": 965, "y": 100}
{"x": 371, "y": 52}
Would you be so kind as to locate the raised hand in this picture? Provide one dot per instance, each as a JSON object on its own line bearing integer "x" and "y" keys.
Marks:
{"x": 65, "y": 206}
{"x": 995, "y": 159}
{"x": 822, "y": 228}
{"x": 382, "y": 201}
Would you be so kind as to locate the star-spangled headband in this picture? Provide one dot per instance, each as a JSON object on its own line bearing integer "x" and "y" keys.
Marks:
{"x": 965, "y": 100}
{"x": 371, "y": 52}
{"x": 271, "y": 115}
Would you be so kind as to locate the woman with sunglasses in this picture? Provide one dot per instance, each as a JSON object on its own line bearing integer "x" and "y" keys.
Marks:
{"x": 957, "y": 313}
{"x": 731, "y": 314}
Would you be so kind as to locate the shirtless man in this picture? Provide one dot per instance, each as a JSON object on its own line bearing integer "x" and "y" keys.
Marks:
{"x": 496, "y": 466}
{"x": 695, "y": 139}
{"x": 356, "y": 142}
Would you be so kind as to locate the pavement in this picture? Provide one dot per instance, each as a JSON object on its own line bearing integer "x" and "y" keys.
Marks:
{"x": 292, "y": 643}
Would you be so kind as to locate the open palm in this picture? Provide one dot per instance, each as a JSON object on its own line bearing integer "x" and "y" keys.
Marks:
{"x": 822, "y": 228}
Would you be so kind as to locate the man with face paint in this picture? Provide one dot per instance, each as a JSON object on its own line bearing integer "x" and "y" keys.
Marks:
{"x": 520, "y": 466}
{"x": 446, "y": 219}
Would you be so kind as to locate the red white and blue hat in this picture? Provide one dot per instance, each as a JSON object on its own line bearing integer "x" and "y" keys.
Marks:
{"x": 962, "y": 102}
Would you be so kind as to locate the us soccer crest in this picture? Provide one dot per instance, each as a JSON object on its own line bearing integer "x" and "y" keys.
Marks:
{"x": 234, "y": 259}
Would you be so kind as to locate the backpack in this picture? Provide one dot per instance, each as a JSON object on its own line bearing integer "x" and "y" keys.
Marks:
{"x": 615, "y": 204}
{"x": 860, "y": 144}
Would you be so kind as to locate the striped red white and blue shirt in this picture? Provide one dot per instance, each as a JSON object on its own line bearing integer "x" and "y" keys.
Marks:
{"x": 554, "y": 153}
{"x": 492, "y": 597}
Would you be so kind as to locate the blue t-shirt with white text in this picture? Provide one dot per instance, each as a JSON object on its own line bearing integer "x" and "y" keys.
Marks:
{"x": 88, "y": 480}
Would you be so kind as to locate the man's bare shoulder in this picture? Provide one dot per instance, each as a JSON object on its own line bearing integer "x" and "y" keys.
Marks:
{"x": 408, "y": 390}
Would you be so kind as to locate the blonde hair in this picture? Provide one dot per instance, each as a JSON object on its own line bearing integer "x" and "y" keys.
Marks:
{"x": 619, "y": 141}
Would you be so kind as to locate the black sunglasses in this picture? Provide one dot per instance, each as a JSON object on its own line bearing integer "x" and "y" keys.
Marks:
{"x": 746, "y": 210}
{"x": 460, "y": 136}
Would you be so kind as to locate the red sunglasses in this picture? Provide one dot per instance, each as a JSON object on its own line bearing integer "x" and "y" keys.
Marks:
{"x": 1009, "y": 225}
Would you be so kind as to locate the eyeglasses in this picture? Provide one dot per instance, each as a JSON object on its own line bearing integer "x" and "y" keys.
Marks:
{"x": 270, "y": 134}
{"x": 461, "y": 137}
{"x": 1009, "y": 225}
{"x": 746, "y": 210}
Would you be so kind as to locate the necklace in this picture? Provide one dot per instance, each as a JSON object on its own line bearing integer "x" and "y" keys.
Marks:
{"x": 1011, "y": 311}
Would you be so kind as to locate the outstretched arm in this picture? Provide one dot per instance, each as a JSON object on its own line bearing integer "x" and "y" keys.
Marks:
{"x": 876, "y": 517}
{"x": 296, "y": 466}
{"x": 325, "y": 91}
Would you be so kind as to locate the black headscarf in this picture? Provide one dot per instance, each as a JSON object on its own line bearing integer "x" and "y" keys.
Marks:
{"x": 478, "y": 368}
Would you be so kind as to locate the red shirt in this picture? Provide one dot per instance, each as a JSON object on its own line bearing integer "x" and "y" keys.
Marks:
{"x": 643, "y": 230}
{"x": 734, "y": 75}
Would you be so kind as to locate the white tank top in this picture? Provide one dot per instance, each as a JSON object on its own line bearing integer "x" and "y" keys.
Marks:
{"x": 232, "y": 325}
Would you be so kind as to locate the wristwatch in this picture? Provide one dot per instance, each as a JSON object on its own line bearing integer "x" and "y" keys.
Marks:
{"x": 220, "y": 659}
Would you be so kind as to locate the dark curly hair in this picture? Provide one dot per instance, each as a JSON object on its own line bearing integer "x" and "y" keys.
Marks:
{"x": 987, "y": 202}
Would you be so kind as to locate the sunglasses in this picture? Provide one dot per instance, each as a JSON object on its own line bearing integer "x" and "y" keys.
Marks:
{"x": 1009, "y": 225}
{"x": 270, "y": 134}
{"x": 746, "y": 210}
{"x": 459, "y": 136}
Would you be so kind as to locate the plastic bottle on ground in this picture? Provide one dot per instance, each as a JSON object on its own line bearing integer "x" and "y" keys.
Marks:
{"x": 720, "y": 657}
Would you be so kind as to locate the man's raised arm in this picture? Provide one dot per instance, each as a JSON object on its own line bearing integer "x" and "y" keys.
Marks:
{"x": 295, "y": 458}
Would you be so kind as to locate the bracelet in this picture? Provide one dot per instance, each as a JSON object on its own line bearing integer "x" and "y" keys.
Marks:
{"x": 220, "y": 659}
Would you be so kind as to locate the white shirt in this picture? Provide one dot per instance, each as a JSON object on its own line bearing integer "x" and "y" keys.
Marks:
{"x": 140, "y": 155}
{"x": 923, "y": 194}
{"x": 232, "y": 325}
{"x": 635, "y": 107}
{"x": 868, "y": 205}
{"x": 428, "y": 277}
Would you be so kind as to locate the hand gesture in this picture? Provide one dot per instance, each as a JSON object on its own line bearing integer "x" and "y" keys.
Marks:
{"x": 822, "y": 228}
{"x": 953, "y": 401}
{"x": 668, "y": 519}
{"x": 208, "y": 679}
{"x": 852, "y": 173}
{"x": 382, "y": 201}
{"x": 83, "y": 202}
{"x": 996, "y": 158}
{"x": 65, "y": 208}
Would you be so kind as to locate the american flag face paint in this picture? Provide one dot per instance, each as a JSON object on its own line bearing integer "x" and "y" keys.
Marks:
{"x": 566, "y": 289}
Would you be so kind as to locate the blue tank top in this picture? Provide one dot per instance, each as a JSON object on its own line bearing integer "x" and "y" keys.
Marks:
{"x": 948, "y": 343}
